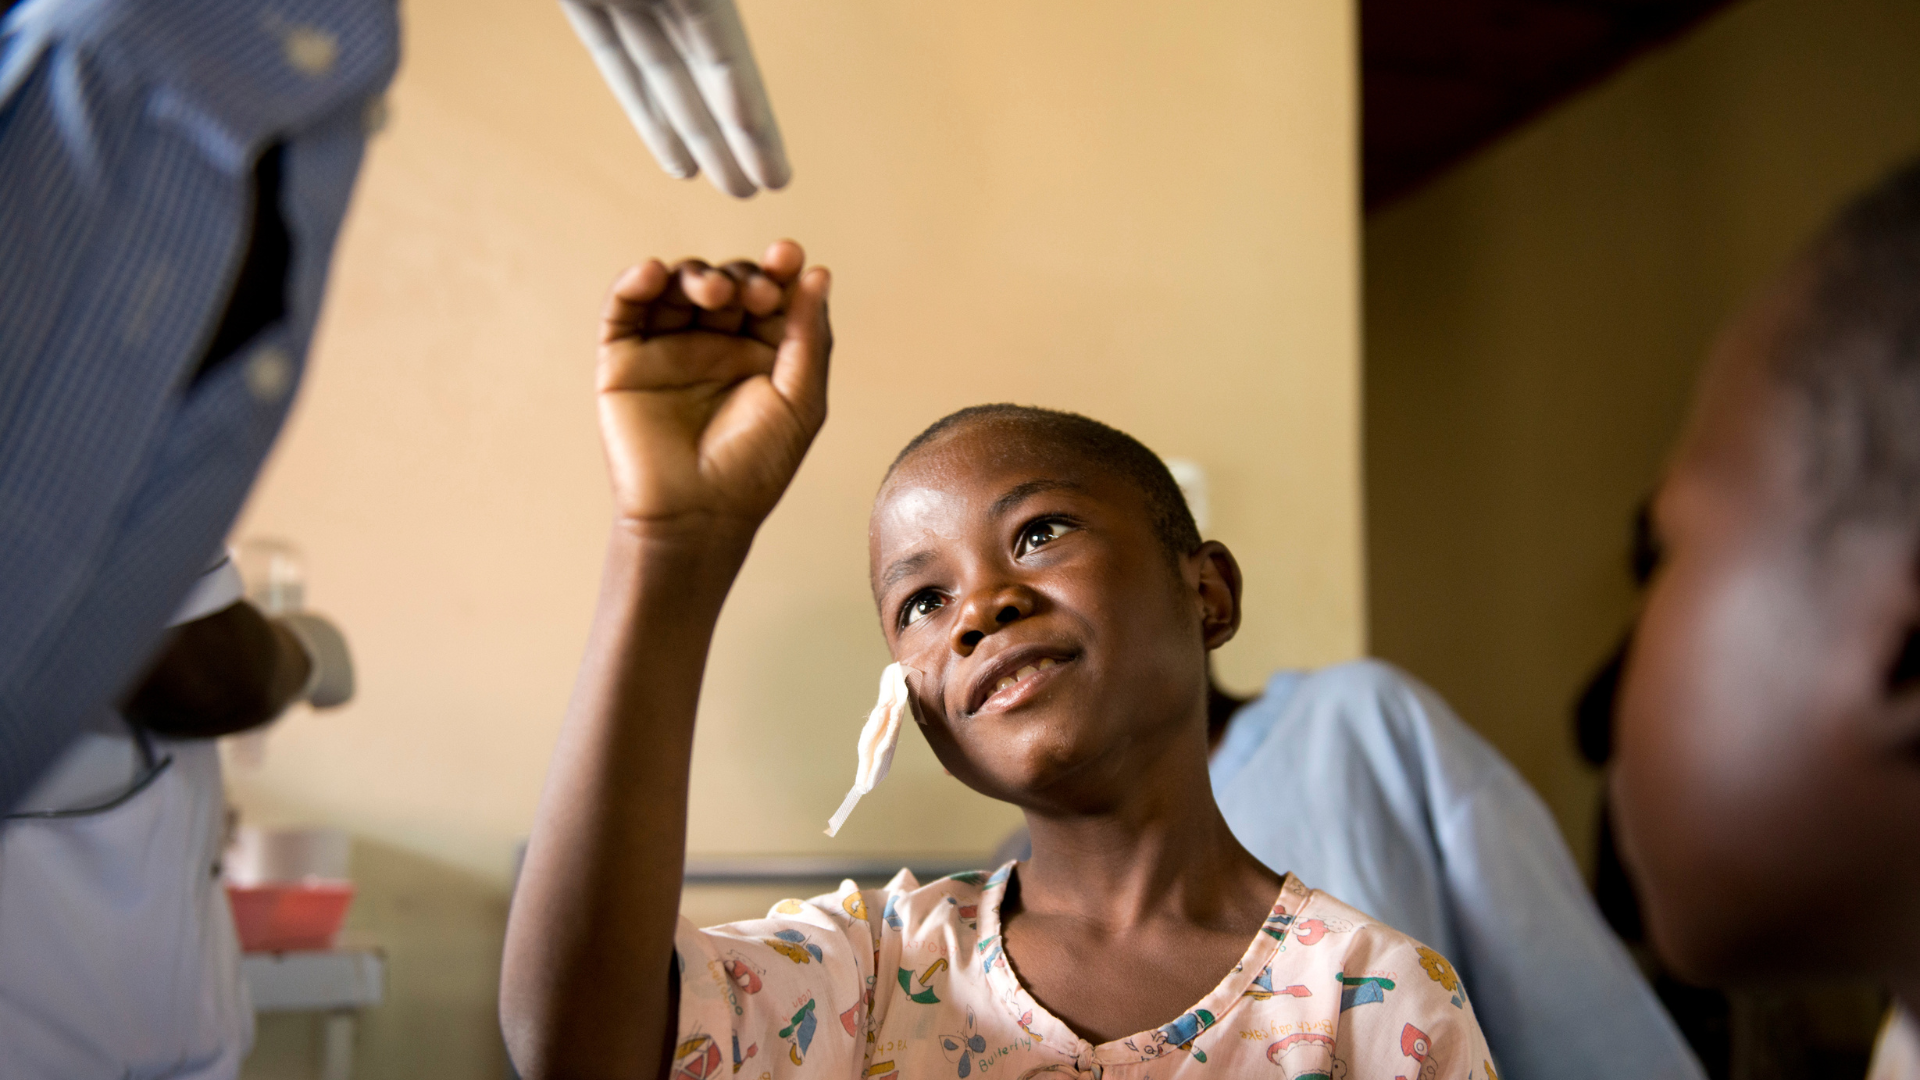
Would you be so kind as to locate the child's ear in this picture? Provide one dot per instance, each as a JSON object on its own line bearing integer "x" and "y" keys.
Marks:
{"x": 1219, "y": 592}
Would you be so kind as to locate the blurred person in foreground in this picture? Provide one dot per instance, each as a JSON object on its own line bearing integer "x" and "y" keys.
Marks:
{"x": 1766, "y": 780}
{"x": 173, "y": 174}
{"x": 119, "y": 951}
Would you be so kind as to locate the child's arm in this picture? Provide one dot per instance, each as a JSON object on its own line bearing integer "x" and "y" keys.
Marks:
{"x": 711, "y": 386}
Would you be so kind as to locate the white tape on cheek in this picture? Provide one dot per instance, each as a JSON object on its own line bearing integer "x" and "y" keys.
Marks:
{"x": 877, "y": 742}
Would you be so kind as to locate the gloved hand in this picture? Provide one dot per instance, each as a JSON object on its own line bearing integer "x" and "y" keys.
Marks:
{"x": 683, "y": 71}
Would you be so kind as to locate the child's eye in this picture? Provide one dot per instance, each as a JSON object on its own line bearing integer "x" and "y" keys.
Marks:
{"x": 1039, "y": 533}
{"x": 920, "y": 605}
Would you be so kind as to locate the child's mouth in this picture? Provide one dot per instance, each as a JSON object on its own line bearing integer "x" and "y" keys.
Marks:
{"x": 1030, "y": 669}
{"x": 1020, "y": 684}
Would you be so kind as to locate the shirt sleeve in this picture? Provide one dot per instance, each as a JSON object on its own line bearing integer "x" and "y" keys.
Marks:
{"x": 785, "y": 995}
{"x": 127, "y": 131}
{"x": 1404, "y": 1014}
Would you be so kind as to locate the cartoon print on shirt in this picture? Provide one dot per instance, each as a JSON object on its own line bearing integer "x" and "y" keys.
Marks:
{"x": 1310, "y": 931}
{"x": 969, "y": 913}
{"x": 1308, "y": 1010}
{"x": 852, "y": 1017}
{"x": 891, "y": 913}
{"x": 1178, "y": 1034}
{"x": 1363, "y": 990}
{"x": 990, "y": 946}
{"x": 1276, "y": 925}
{"x": 961, "y": 1046}
{"x": 1262, "y": 988}
{"x": 1304, "y": 1055}
{"x": 856, "y": 906}
{"x": 794, "y": 945}
{"x": 1415, "y": 1044}
{"x": 800, "y": 1031}
{"x": 925, "y": 995}
{"x": 1440, "y": 971}
{"x": 696, "y": 1058}
{"x": 744, "y": 973}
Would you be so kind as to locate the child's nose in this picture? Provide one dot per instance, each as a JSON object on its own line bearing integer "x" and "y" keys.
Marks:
{"x": 988, "y": 610}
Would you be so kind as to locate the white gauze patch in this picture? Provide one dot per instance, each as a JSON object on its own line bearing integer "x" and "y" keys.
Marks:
{"x": 877, "y": 741}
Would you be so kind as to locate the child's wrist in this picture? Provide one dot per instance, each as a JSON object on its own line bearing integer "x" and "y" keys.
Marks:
{"x": 705, "y": 540}
{"x": 680, "y": 556}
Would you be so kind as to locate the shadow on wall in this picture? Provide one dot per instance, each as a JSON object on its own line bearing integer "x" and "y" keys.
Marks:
{"x": 441, "y": 929}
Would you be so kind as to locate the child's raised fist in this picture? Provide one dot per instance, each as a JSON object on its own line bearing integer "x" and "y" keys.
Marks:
{"x": 712, "y": 383}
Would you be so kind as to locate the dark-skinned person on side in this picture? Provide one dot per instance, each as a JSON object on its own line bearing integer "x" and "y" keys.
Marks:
{"x": 1766, "y": 777}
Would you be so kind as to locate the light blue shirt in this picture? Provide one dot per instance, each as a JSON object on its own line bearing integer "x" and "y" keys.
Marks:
{"x": 1365, "y": 784}
{"x": 128, "y": 135}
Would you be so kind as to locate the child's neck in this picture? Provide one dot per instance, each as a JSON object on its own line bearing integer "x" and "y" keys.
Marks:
{"x": 1166, "y": 852}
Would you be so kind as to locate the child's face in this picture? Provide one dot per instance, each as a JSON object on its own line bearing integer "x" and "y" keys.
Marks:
{"x": 1056, "y": 654}
{"x": 1765, "y": 783}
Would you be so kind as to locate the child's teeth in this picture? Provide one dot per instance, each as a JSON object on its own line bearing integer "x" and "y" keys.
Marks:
{"x": 1030, "y": 669}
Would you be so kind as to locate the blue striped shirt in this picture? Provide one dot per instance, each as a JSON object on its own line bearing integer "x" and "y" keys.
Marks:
{"x": 129, "y": 132}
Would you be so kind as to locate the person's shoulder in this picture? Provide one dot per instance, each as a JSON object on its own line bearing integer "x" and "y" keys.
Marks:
{"x": 903, "y": 904}
{"x": 911, "y": 909}
{"x": 1402, "y": 1005}
{"x": 1374, "y": 685}
{"x": 1372, "y": 702}
{"x": 1371, "y": 951}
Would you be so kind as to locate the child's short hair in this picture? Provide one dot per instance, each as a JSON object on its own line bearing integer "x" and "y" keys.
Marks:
{"x": 1852, "y": 355}
{"x": 1094, "y": 441}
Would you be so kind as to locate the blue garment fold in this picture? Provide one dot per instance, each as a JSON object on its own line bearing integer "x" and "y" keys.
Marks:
{"x": 128, "y": 134}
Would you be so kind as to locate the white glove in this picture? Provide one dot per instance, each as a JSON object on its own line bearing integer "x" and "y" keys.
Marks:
{"x": 683, "y": 71}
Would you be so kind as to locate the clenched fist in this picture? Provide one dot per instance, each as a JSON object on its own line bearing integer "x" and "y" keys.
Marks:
{"x": 712, "y": 383}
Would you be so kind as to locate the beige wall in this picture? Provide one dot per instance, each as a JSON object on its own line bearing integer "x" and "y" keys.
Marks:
{"x": 1141, "y": 211}
{"x": 1533, "y": 324}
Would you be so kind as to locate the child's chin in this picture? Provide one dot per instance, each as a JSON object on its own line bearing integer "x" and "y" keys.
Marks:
{"x": 1055, "y": 777}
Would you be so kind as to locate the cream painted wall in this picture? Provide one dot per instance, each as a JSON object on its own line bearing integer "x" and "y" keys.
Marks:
{"x": 1138, "y": 211}
{"x": 1534, "y": 321}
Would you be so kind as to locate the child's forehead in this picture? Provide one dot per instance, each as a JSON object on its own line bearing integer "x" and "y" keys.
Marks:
{"x": 977, "y": 466}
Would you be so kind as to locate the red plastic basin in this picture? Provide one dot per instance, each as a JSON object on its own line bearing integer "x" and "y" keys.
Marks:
{"x": 289, "y": 916}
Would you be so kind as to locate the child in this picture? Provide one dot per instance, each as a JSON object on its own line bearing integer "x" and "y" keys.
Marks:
{"x": 1040, "y": 577}
{"x": 1767, "y": 782}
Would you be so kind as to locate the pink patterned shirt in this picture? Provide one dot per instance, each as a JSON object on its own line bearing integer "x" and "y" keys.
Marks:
{"x": 908, "y": 982}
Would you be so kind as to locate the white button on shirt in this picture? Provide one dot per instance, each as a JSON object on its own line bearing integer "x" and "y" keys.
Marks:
{"x": 311, "y": 51}
{"x": 270, "y": 374}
